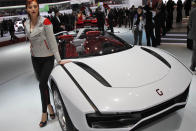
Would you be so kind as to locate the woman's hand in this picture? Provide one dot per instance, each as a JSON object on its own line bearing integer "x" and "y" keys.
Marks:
{"x": 62, "y": 62}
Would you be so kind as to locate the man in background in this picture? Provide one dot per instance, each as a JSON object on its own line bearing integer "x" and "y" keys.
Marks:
{"x": 179, "y": 11}
{"x": 192, "y": 35}
{"x": 12, "y": 30}
{"x": 57, "y": 22}
{"x": 159, "y": 20}
{"x": 111, "y": 20}
{"x": 149, "y": 27}
{"x": 100, "y": 19}
{"x": 170, "y": 11}
{"x": 1, "y": 29}
{"x": 187, "y": 7}
{"x": 133, "y": 11}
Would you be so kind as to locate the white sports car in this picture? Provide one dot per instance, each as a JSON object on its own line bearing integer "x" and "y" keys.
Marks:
{"x": 114, "y": 86}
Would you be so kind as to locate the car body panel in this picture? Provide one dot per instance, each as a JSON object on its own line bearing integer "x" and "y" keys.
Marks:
{"x": 130, "y": 68}
{"x": 75, "y": 102}
{"x": 138, "y": 80}
{"x": 123, "y": 99}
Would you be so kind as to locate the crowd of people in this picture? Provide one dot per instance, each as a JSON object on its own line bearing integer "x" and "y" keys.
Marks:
{"x": 156, "y": 22}
{"x": 8, "y": 26}
{"x": 62, "y": 22}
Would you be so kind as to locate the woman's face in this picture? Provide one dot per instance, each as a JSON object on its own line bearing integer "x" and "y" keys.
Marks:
{"x": 33, "y": 9}
{"x": 139, "y": 11}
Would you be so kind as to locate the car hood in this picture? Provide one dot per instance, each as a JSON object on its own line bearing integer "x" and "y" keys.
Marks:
{"x": 131, "y": 68}
{"x": 128, "y": 81}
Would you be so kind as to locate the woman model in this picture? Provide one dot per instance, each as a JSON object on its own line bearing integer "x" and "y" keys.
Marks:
{"x": 44, "y": 49}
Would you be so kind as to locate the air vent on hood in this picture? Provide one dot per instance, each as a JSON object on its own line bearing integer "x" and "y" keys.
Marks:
{"x": 157, "y": 56}
{"x": 93, "y": 73}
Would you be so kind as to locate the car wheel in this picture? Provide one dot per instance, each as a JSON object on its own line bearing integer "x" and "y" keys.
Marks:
{"x": 61, "y": 112}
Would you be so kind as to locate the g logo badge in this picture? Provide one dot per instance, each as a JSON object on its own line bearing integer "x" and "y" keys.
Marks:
{"x": 159, "y": 92}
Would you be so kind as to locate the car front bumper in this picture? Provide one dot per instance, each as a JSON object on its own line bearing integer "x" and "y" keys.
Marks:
{"x": 119, "y": 121}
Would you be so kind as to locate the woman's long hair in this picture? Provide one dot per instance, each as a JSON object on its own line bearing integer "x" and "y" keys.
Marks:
{"x": 28, "y": 2}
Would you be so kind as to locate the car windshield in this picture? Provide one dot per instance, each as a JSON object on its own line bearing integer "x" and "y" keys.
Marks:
{"x": 92, "y": 43}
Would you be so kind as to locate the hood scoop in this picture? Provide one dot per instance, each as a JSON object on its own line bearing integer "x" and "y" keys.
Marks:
{"x": 93, "y": 73}
{"x": 157, "y": 56}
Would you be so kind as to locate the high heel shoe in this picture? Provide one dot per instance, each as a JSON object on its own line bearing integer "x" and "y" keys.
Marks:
{"x": 43, "y": 123}
{"x": 52, "y": 116}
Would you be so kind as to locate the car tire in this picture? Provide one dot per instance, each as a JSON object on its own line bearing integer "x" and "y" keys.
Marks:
{"x": 61, "y": 112}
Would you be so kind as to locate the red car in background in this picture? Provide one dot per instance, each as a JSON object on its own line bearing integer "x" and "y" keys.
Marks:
{"x": 88, "y": 21}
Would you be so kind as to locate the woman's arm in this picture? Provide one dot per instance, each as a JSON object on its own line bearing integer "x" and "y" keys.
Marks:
{"x": 52, "y": 44}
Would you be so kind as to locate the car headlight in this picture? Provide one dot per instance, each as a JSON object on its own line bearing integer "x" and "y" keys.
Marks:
{"x": 112, "y": 120}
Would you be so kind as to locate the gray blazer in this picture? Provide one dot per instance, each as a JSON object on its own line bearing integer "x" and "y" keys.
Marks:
{"x": 42, "y": 39}
{"x": 192, "y": 25}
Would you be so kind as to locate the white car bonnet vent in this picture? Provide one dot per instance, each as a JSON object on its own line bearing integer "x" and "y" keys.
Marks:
{"x": 157, "y": 56}
{"x": 93, "y": 73}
